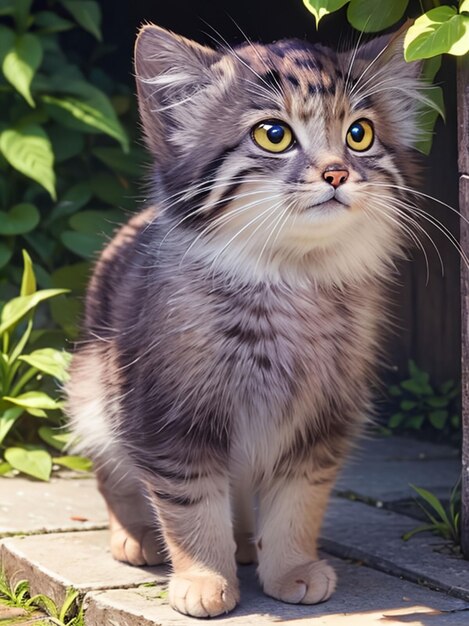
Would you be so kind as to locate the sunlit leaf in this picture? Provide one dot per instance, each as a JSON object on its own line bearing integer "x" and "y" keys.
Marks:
{"x": 438, "y": 31}
{"x": 34, "y": 400}
{"x": 320, "y": 8}
{"x": 28, "y": 281}
{"x": 368, "y": 17}
{"x": 49, "y": 361}
{"x": 16, "y": 309}
{"x": 28, "y": 149}
{"x": 7, "y": 420}
{"x": 55, "y": 438}
{"x": 21, "y": 62}
{"x": 79, "y": 463}
{"x": 36, "y": 463}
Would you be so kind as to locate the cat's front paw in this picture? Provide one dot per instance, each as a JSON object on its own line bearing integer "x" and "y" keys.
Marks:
{"x": 309, "y": 583}
{"x": 139, "y": 548}
{"x": 202, "y": 595}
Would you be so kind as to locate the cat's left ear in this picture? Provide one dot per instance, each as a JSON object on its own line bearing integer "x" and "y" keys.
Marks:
{"x": 169, "y": 70}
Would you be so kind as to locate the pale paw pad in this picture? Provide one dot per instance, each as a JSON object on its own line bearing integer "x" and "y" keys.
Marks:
{"x": 309, "y": 583}
{"x": 202, "y": 595}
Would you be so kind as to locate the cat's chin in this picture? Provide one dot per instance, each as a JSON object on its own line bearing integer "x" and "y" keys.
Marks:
{"x": 329, "y": 207}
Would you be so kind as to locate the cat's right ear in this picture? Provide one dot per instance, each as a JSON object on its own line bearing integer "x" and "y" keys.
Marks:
{"x": 169, "y": 69}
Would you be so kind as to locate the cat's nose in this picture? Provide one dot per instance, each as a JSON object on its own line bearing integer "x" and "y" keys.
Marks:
{"x": 335, "y": 175}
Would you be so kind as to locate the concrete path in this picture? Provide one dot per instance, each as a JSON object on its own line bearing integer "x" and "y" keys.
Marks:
{"x": 53, "y": 537}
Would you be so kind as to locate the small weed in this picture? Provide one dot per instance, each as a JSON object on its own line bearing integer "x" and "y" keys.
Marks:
{"x": 69, "y": 614}
{"x": 442, "y": 521}
{"x": 418, "y": 404}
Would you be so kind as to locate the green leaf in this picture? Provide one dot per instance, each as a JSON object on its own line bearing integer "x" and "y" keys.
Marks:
{"x": 447, "y": 386}
{"x": 396, "y": 420}
{"x": 408, "y": 405}
{"x": 418, "y": 388}
{"x": 96, "y": 222}
{"x": 28, "y": 149}
{"x": 455, "y": 421}
{"x": 87, "y": 14}
{"x": 67, "y": 143}
{"x": 114, "y": 158}
{"x": 55, "y": 438}
{"x": 8, "y": 419}
{"x": 4, "y": 466}
{"x": 75, "y": 276}
{"x": 28, "y": 281}
{"x": 464, "y": 6}
{"x": 73, "y": 199}
{"x": 65, "y": 312}
{"x": 419, "y": 529}
{"x": 438, "y": 419}
{"x": 36, "y": 412}
{"x": 6, "y": 8}
{"x": 21, "y": 13}
{"x": 22, "y": 218}
{"x": 82, "y": 244}
{"x": 16, "y": 309}
{"x": 428, "y": 117}
{"x": 34, "y": 400}
{"x": 6, "y": 253}
{"x": 21, "y": 62}
{"x": 7, "y": 40}
{"x": 80, "y": 463}
{"x": 36, "y": 463}
{"x": 49, "y": 22}
{"x": 430, "y": 68}
{"x": 435, "y": 32}
{"x": 46, "y": 603}
{"x": 50, "y": 361}
{"x": 92, "y": 112}
{"x": 437, "y": 402}
{"x": 365, "y": 16}
{"x": 433, "y": 501}
{"x": 67, "y": 605}
{"x": 415, "y": 422}
{"x": 107, "y": 188}
{"x": 394, "y": 390}
{"x": 320, "y": 8}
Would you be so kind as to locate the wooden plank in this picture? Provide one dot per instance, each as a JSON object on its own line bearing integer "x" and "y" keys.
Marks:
{"x": 463, "y": 123}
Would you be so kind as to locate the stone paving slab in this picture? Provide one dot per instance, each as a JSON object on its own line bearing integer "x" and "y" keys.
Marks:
{"x": 374, "y": 536}
{"x": 28, "y": 506}
{"x": 383, "y": 468}
{"x": 363, "y": 597}
{"x": 82, "y": 560}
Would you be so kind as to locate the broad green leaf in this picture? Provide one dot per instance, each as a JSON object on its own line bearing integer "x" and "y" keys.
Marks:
{"x": 21, "y": 13}
{"x": 28, "y": 281}
{"x": 396, "y": 420}
{"x": 320, "y": 8}
{"x": 80, "y": 463}
{"x": 87, "y": 109}
{"x": 415, "y": 422}
{"x": 96, "y": 222}
{"x": 108, "y": 188}
{"x": 28, "y": 149}
{"x": 438, "y": 419}
{"x": 21, "y": 62}
{"x": 75, "y": 277}
{"x": 7, "y": 40}
{"x": 20, "y": 219}
{"x": 4, "y": 466}
{"x": 368, "y": 17}
{"x": 130, "y": 164}
{"x": 7, "y": 420}
{"x": 54, "y": 437}
{"x": 394, "y": 390}
{"x": 408, "y": 405}
{"x": 438, "y": 31}
{"x": 447, "y": 386}
{"x": 36, "y": 463}
{"x": 437, "y": 402}
{"x": 6, "y": 253}
{"x": 36, "y": 412}
{"x": 83, "y": 244}
{"x": 416, "y": 387}
{"x": 87, "y": 14}
{"x": 65, "y": 312}
{"x": 66, "y": 142}
{"x": 16, "y": 309}
{"x": 49, "y": 22}
{"x": 73, "y": 199}
{"x": 464, "y": 6}
{"x": 430, "y": 68}
{"x": 6, "y": 8}
{"x": 42, "y": 244}
{"x": 427, "y": 119}
{"x": 49, "y": 361}
{"x": 34, "y": 400}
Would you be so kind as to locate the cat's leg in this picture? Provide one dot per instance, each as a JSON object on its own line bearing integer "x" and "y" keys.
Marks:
{"x": 135, "y": 536}
{"x": 291, "y": 512}
{"x": 243, "y": 520}
{"x": 195, "y": 517}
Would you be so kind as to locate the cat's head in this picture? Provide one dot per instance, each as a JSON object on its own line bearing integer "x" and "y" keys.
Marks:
{"x": 281, "y": 158}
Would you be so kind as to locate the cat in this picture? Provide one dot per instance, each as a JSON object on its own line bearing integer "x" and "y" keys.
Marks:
{"x": 232, "y": 328}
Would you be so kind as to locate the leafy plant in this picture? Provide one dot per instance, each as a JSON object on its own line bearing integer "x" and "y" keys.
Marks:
{"x": 67, "y": 163}
{"x": 27, "y": 386}
{"x": 419, "y": 404}
{"x": 438, "y": 30}
{"x": 69, "y": 614}
{"x": 442, "y": 521}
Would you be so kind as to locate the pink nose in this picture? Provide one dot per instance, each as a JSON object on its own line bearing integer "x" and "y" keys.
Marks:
{"x": 335, "y": 177}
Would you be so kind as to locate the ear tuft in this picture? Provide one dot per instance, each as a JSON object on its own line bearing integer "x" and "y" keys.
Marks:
{"x": 168, "y": 69}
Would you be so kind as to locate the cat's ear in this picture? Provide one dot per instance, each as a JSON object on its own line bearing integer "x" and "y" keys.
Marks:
{"x": 169, "y": 69}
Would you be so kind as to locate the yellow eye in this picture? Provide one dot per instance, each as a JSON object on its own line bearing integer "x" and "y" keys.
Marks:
{"x": 273, "y": 136}
{"x": 360, "y": 135}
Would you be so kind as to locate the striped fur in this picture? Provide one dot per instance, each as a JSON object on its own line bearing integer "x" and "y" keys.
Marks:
{"x": 232, "y": 329}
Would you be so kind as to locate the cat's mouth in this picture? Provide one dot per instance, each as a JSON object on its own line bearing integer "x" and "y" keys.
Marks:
{"x": 329, "y": 205}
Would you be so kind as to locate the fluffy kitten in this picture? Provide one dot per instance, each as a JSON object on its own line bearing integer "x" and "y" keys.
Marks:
{"x": 232, "y": 328}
